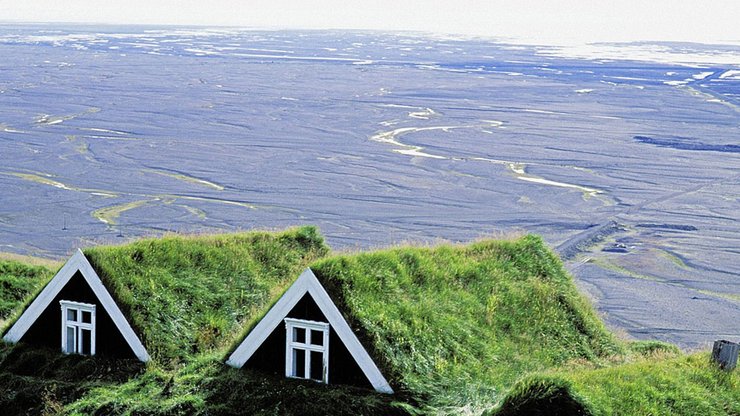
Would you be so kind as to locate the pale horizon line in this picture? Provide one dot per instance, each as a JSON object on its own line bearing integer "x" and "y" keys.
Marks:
{"x": 416, "y": 32}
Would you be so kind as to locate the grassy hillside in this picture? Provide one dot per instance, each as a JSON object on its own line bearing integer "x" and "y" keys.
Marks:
{"x": 457, "y": 325}
{"x": 493, "y": 327}
{"x": 657, "y": 384}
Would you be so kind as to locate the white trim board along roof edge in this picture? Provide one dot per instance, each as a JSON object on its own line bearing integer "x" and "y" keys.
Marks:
{"x": 78, "y": 262}
{"x": 308, "y": 283}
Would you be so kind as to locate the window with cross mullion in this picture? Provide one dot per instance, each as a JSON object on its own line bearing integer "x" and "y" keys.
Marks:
{"x": 307, "y": 350}
{"x": 78, "y": 328}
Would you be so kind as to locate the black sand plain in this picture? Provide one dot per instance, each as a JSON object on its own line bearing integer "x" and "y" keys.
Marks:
{"x": 631, "y": 170}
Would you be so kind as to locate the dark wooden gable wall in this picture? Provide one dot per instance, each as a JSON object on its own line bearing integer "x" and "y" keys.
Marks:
{"x": 270, "y": 356}
{"x": 47, "y": 330}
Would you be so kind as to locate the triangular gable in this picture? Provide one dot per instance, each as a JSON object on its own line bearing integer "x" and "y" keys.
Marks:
{"x": 308, "y": 283}
{"x": 78, "y": 263}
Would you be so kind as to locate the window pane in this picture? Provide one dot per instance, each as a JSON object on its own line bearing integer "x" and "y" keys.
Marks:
{"x": 71, "y": 314}
{"x": 317, "y": 337}
{"x": 86, "y": 317}
{"x": 299, "y": 363}
{"x": 86, "y": 341}
{"x": 317, "y": 366}
{"x": 71, "y": 340}
{"x": 299, "y": 335}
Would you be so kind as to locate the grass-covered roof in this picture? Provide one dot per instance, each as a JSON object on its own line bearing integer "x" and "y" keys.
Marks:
{"x": 17, "y": 281}
{"x": 188, "y": 295}
{"x": 455, "y": 325}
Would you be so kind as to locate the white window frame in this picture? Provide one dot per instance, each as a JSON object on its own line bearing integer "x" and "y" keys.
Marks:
{"x": 307, "y": 347}
{"x": 77, "y": 325}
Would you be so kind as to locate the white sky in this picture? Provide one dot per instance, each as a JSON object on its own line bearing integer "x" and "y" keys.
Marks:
{"x": 546, "y": 21}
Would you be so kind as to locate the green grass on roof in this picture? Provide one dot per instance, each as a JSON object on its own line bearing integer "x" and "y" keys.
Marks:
{"x": 17, "y": 282}
{"x": 187, "y": 295}
{"x": 457, "y": 325}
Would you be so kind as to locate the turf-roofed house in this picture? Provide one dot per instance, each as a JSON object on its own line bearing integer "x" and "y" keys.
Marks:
{"x": 76, "y": 311}
{"x": 305, "y": 335}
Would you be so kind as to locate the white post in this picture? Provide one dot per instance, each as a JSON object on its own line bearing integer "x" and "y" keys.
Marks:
{"x": 326, "y": 355}
{"x": 64, "y": 328}
{"x": 288, "y": 351}
{"x": 93, "y": 313}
